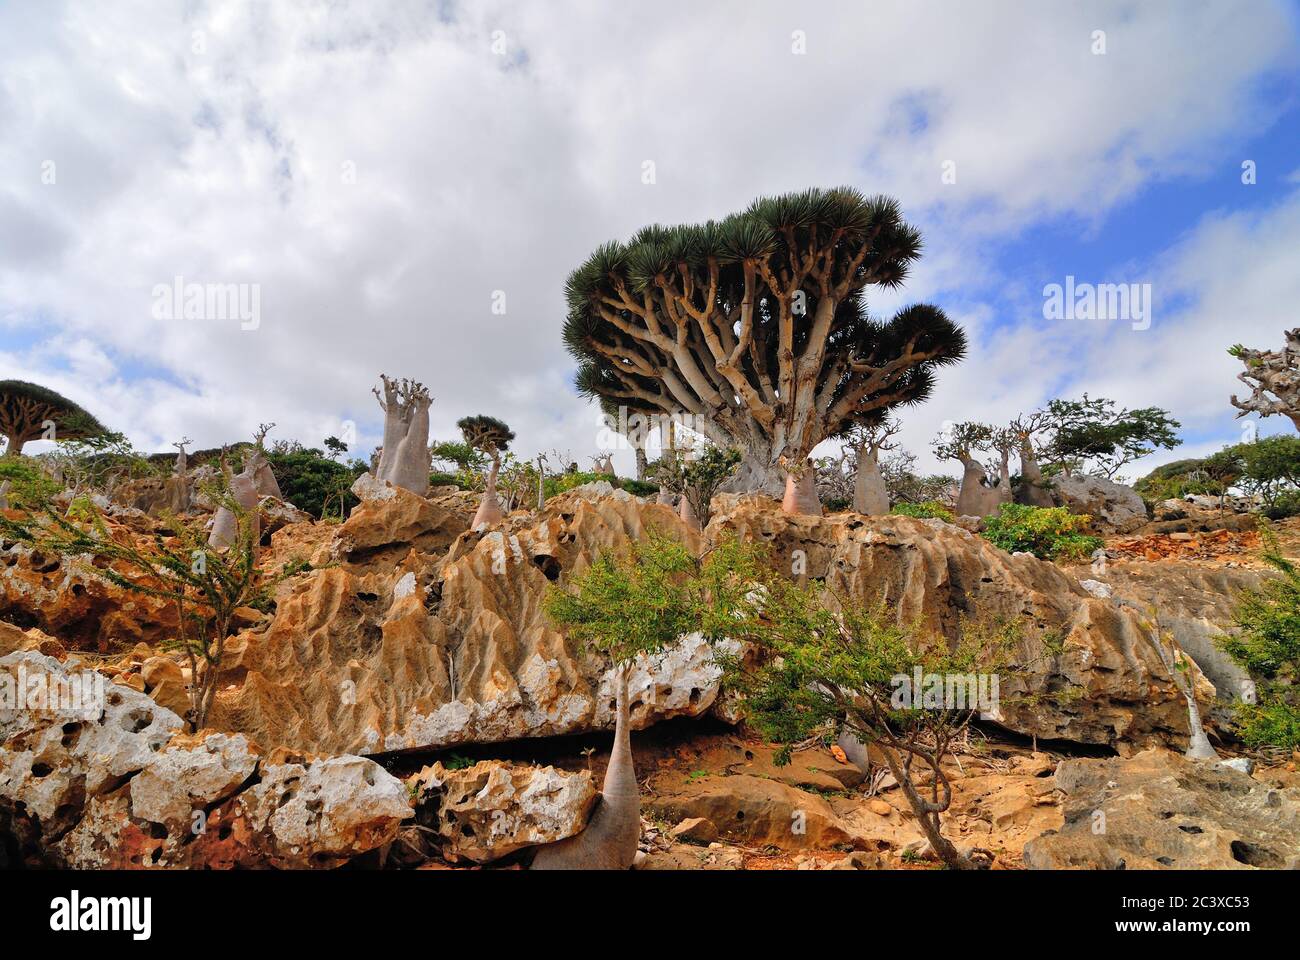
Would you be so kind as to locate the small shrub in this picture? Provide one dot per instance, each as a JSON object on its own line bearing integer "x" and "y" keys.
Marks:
{"x": 1049, "y": 533}
{"x": 440, "y": 479}
{"x": 929, "y": 510}
{"x": 561, "y": 482}
{"x": 639, "y": 488}
{"x": 1285, "y": 504}
{"x": 1267, "y": 644}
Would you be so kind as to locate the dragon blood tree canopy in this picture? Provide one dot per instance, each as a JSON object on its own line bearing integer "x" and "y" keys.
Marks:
{"x": 754, "y": 328}
{"x": 27, "y": 410}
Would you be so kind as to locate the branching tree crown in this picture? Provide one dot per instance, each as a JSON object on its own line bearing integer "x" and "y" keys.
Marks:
{"x": 756, "y": 325}
{"x": 27, "y": 411}
{"x": 487, "y": 434}
{"x": 1273, "y": 377}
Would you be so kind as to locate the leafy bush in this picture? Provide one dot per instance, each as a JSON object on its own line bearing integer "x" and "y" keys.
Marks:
{"x": 314, "y": 483}
{"x": 441, "y": 479}
{"x": 930, "y": 510}
{"x": 28, "y": 486}
{"x": 1050, "y": 533}
{"x": 1285, "y": 504}
{"x": 560, "y": 482}
{"x": 639, "y": 488}
{"x": 1268, "y": 645}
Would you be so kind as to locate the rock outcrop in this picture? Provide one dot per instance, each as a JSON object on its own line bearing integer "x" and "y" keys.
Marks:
{"x": 1114, "y": 507}
{"x": 1116, "y": 688}
{"x": 106, "y": 780}
{"x": 1159, "y": 810}
{"x": 492, "y": 809}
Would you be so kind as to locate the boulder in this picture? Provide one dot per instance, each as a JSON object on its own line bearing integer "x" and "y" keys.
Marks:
{"x": 493, "y": 808}
{"x": 105, "y": 780}
{"x": 1114, "y": 507}
{"x": 1159, "y": 810}
{"x": 760, "y": 812}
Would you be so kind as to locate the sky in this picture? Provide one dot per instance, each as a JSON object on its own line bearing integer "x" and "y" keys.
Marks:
{"x": 405, "y": 186}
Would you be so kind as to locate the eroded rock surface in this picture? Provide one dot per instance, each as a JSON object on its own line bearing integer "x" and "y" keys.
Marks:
{"x": 1159, "y": 810}
{"x": 112, "y": 783}
{"x": 492, "y": 809}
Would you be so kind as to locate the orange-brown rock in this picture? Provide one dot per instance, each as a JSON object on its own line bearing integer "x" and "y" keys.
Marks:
{"x": 942, "y": 577}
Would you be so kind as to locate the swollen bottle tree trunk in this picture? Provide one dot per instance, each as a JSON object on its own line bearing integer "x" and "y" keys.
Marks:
{"x": 225, "y": 525}
{"x": 404, "y": 458}
{"x": 1002, "y": 493}
{"x": 489, "y": 508}
{"x": 1034, "y": 490}
{"x": 973, "y": 500}
{"x": 870, "y": 496}
{"x": 801, "y": 492}
{"x": 609, "y": 841}
{"x": 177, "y": 486}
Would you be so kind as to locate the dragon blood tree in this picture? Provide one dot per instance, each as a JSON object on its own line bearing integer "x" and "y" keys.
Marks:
{"x": 754, "y": 328}
{"x": 29, "y": 411}
{"x": 490, "y": 436}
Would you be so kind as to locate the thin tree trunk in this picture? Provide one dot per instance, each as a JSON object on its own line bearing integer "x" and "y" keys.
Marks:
{"x": 642, "y": 462}
{"x": 927, "y": 819}
{"x": 609, "y": 841}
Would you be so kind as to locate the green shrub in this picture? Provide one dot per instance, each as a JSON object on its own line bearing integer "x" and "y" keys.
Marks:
{"x": 1050, "y": 533}
{"x": 29, "y": 487}
{"x": 441, "y": 479}
{"x": 929, "y": 510}
{"x": 314, "y": 483}
{"x": 1267, "y": 644}
{"x": 1285, "y": 504}
{"x": 639, "y": 488}
{"x": 560, "y": 482}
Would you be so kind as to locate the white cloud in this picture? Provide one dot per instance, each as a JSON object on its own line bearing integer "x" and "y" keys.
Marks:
{"x": 217, "y": 145}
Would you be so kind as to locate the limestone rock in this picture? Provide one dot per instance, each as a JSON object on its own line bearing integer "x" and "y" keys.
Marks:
{"x": 760, "y": 812}
{"x": 689, "y": 857}
{"x": 1164, "y": 811}
{"x": 156, "y": 670}
{"x": 941, "y": 576}
{"x": 1114, "y": 507}
{"x": 319, "y": 813}
{"x": 109, "y": 783}
{"x": 351, "y": 664}
{"x": 695, "y": 830}
{"x": 492, "y": 809}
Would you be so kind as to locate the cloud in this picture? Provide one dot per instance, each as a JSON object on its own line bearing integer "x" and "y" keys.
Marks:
{"x": 384, "y": 177}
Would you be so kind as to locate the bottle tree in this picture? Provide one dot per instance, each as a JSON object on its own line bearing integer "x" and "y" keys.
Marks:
{"x": 755, "y": 328}
{"x": 489, "y": 436}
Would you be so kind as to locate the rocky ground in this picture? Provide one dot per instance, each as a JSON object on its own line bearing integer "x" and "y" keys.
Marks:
{"x": 407, "y": 704}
